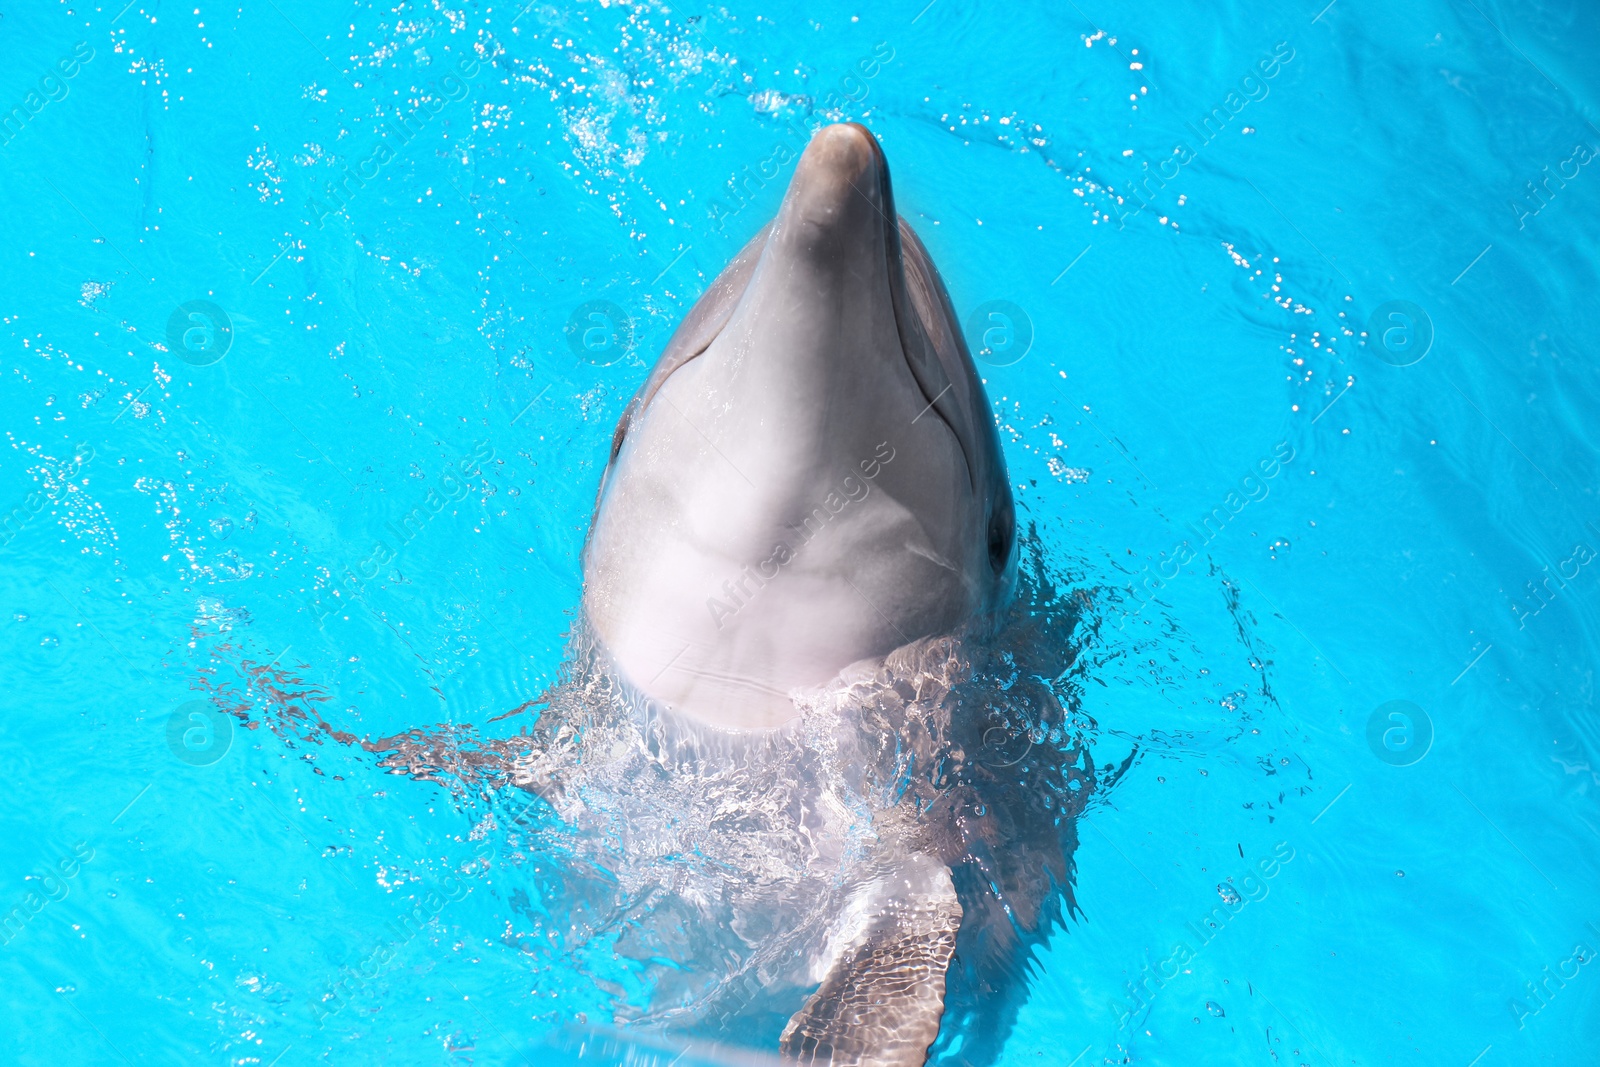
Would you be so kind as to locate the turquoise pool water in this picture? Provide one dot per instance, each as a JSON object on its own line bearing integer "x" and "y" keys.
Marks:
{"x": 1294, "y": 364}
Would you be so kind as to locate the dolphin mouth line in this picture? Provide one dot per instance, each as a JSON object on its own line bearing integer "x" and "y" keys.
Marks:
{"x": 899, "y": 301}
{"x": 899, "y": 297}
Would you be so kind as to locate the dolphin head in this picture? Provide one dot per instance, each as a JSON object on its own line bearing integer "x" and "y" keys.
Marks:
{"x": 811, "y": 475}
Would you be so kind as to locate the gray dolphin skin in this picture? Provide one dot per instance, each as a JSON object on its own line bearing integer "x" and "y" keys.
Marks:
{"x": 811, "y": 475}
{"x": 810, "y": 479}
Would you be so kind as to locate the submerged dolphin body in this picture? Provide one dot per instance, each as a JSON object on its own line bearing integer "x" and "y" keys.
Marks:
{"x": 811, "y": 479}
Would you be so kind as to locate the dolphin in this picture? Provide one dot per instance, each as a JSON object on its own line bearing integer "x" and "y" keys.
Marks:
{"x": 809, "y": 479}
{"x": 811, "y": 475}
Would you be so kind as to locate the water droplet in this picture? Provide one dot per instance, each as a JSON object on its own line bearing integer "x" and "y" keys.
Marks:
{"x": 1215, "y": 1009}
{"x": 1229, "y": 895}
{"x": 49, "y": 641}
{"x": 21, "y": 616}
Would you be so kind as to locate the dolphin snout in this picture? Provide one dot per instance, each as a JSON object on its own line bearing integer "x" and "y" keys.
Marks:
{"x": 840, "y": 183}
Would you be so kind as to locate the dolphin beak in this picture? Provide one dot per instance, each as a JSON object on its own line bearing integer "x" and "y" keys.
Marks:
{"x": 835, "y": 259}
{"x": 837, "y": 245}
{"x": 839, "y": 194}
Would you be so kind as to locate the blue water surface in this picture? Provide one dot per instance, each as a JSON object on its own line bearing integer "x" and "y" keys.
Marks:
{"x": 1291, "y": 312}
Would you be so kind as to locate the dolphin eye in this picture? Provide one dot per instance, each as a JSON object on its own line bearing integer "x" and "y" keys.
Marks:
{"x": 1002, "y": 530}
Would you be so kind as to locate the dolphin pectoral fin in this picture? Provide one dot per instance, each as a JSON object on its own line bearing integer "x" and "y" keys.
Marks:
{"x": 882, "y": 999}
